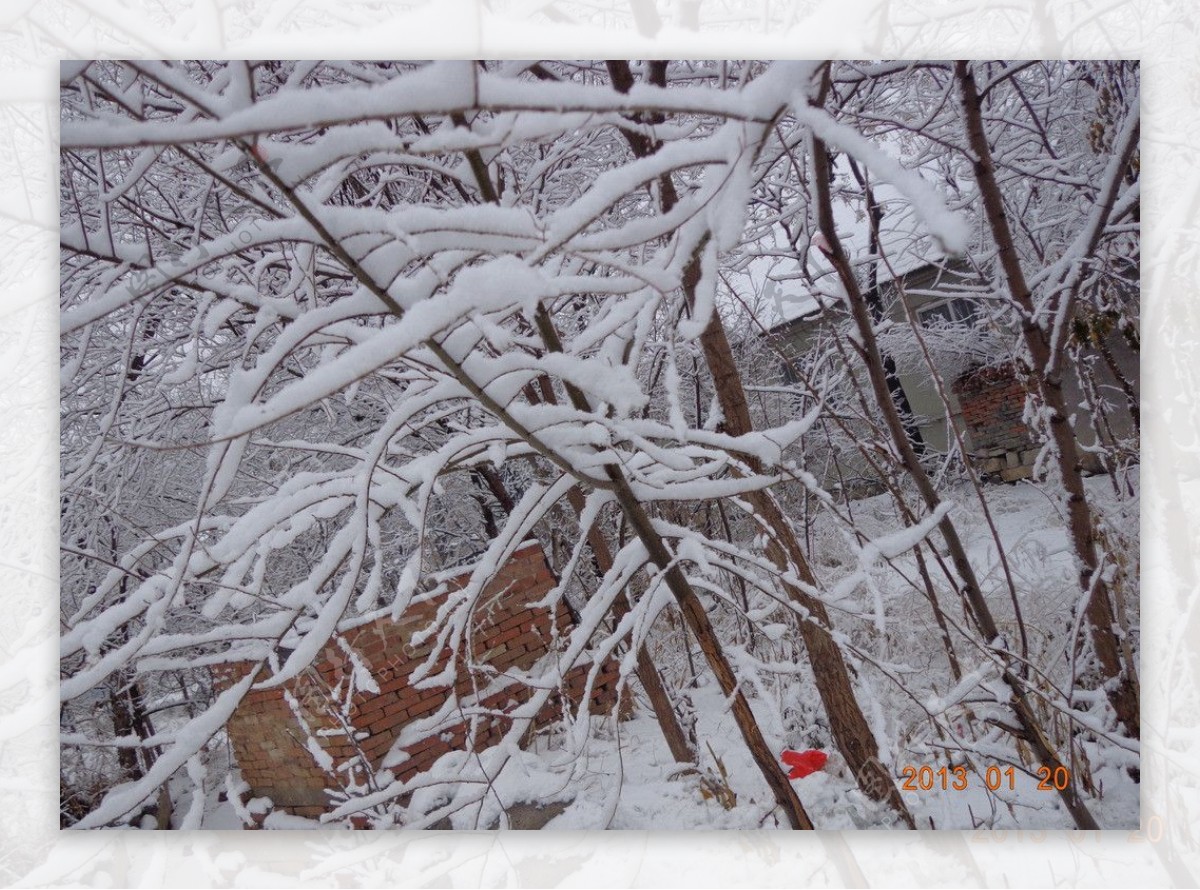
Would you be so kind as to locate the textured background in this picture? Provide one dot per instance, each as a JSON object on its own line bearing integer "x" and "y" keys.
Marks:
{"x": 35, "y": 35}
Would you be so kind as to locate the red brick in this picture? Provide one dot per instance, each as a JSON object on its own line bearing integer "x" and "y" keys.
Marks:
{"x": 506, "y": 633}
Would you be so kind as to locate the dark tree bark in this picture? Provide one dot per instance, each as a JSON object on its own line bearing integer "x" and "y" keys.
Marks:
{"x": 874, "y": 298}
{"x": 693, "y": 612}
{"x": 647, "y": 672}
{"x": 1029, "y": 729}
{"x": 1118, "y": 677}
{"x": 849, "y": 727}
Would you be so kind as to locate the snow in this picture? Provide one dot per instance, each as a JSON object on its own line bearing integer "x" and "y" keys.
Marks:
{"x": 431, "y": 88}
{"x": 321, "y": 390}
{"x": 891, "y": 545}
{"x": 950, "y": 229}
{"x": 121, "y": 801}
{"x": 623, "y": 776}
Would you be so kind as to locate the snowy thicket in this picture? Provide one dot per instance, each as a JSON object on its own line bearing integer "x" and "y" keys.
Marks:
{"x": 330, "y": 327}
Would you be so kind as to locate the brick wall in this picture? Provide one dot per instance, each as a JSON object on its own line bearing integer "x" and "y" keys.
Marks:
{"x": 993, "y": 402}
{"x": 267, "y": 730}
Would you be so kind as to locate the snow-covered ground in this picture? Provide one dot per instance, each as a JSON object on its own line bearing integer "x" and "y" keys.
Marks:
{"x": 624, "y": 777}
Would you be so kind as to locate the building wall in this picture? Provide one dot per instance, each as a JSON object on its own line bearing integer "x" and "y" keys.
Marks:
{"x": 1119, "y": 421}
{"x": 924, "y": 287}
{"x": 354, "y": 729}
{"x": 993, "y": 406}
{"x": 841, "y": 468}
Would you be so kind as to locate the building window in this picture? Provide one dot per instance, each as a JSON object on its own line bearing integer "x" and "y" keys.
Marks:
{"x": 956, "y": 311}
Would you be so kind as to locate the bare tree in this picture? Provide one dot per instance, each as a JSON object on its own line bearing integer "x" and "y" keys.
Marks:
{"x": 332, "y": 327}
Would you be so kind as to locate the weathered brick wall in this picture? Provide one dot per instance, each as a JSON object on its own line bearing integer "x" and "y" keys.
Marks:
{"x": 268, "y": 735}
{"x": 993, "y": 402}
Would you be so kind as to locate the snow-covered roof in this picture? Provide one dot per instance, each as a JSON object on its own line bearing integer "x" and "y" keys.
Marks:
{"x": 905, "y": 246}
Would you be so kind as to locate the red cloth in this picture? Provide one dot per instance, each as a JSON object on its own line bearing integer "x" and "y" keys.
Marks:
{"x": 804, "y": 763}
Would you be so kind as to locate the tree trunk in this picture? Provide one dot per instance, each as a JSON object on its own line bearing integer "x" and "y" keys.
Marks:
{"x": 126, "y": 723}
{"x": 1029, "y": 729}
{"x": 693, "y": 612}
{"x": 875, "y": 304}
{"x": 1119, "y": 678}
{"x": 851, "y": 733}
{"x": 647, "y": 672}
{"x": 848, "y": 725}
{"x": 710, "y": 644}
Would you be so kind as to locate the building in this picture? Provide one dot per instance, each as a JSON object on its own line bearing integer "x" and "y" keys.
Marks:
{"x": 959, "y": 317}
